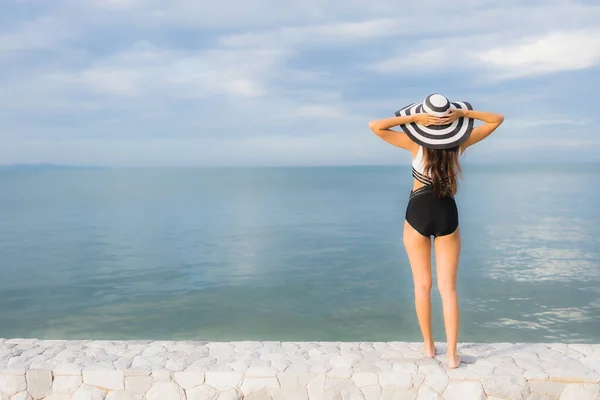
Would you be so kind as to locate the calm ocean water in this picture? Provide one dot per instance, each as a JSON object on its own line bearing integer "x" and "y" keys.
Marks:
{"x": 302, "y": 254}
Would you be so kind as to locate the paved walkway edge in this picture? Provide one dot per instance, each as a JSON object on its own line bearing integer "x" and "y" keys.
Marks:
{"x": 33, "y": 369}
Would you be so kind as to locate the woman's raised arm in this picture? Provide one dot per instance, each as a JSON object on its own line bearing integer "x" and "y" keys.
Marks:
{"x": 401, "y": 139}
{"x": 492, "y": 122}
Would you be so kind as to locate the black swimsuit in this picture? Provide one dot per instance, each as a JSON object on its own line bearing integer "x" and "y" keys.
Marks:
{"x": 428, "y": 214}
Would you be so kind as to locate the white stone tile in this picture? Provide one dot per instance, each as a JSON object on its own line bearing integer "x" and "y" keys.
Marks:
{"x": 122, "y": 363}
{"x": 137, "y": 372}
{"x": 372, "y": 392}
{"x": 580, "y": 391}
{"x": 337, "y": 384}
{"x": 161, "y": 375}
{"x": 138, "y": 384}
{"x": 120, "y": 395}
{"x": 110, "y": 380}
{"x": 38, "y": 383}
{"x": 463, "y": 374}
{"x": 316, "y": 387}
{"x": 251, "y": 385}
{"x": 260, "y": 395}
{"x": 295, "y": 381}
{"x": 239, "y": 365}
{"x": 339, "y": 372}
{"x": 223, "y": 380}
{"x": 384, "y": 366}
{"x": 511, "y": 387}
{"x": 202, "y": 393}
{"x": 584, "y": 349}
{"x": 547, "y": 387}
{"x": 395, "y": 379}
{"x": 12, "y": 384}
{"x": 417, "y": 380}
{"x": 464, "y": 390}
{"x": 362, "y": 379}
{"x": 256, "y": 371}
{"x": 202, "y": 364}
{"x": 153, "y": 351}
{"x": 22, "y": 396}
{"x": 432, "y": 369}
{"x": 288, "y": 394}
{"x": 319, "y": 369}
{"x": 535, "y": 375}
{"x": 572, "y": 375}
{"x": 352, "y": 393}
{"x": 538, "y": 396}
{"x": 86, "y": 392}
{"x": 408, "y": 367}
{"x": 231, "y": 394}
{"x": 280, "y": 365}
{"x": 299, "y": 367}
{"x": 165, "y": 391}
{"x": 43, "y": 367}
{"x": 55, "y": 396}
{"x": 437, "y": 382}
{"x": 141, "y": 362}
{"x": 427, "y": 393}
{"x": 22, "y": 341}
{"x": 392, "y": 393}
{"x": 188, "y": 380}
{"x": 67, "y": 369}
{"x": 66, "y": 383}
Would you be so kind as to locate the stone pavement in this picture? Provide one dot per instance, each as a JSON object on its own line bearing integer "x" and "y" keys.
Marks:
{"x": 32, "y": 369}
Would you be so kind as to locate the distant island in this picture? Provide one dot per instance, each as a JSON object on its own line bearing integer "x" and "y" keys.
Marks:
{"x": 45, "y": 166}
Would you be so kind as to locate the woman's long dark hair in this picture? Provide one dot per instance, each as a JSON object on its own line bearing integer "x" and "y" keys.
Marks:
{"x": 443, "y": 167}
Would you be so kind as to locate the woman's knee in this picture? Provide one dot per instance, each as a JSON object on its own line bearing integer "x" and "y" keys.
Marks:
{"x": 447, "y": 288}
{"x": 423, "y": 287}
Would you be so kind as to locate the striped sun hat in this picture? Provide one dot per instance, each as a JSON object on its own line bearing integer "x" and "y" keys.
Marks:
{"x": 437, "y": 136}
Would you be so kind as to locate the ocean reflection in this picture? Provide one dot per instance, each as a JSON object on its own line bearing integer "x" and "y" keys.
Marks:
{"x": 553, "y": 249}
{"x": 289, "y": 254}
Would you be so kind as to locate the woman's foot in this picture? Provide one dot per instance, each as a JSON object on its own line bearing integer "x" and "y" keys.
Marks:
{"x": 429, "y": 350}
{"x": 454, "y": 361}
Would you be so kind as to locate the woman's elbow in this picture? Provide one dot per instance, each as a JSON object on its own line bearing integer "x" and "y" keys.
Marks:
{"x": 373, "y": 126}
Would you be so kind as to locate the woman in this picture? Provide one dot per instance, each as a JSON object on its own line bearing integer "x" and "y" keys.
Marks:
{"x": 436, "y": 132}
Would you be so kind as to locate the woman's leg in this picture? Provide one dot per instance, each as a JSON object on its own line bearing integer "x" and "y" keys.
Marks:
{"x": 418, "y": 248}
{"x": 447, "y": 252}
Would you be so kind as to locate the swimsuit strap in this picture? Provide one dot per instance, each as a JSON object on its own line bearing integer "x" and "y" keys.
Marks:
{"x": 425, "y": 179}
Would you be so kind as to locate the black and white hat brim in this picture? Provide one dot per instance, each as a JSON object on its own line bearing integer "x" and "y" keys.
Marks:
{"x": 437, "y": 136}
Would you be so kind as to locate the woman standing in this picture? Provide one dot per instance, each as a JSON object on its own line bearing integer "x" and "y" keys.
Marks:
{"x": 436, "y": 132}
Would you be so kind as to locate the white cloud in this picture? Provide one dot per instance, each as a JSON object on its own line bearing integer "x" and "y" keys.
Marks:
{"x": 421, "y": 62}
{"x": 262, "y": 67}
{"x": 550, "y": 120}
{"x": 317, "y": 111}
{"x": 41, "y": 33}
{"x": 490, "y": 57}
{"x": 556, "y": 51}
{"x": 320, "y": 34}
{"x": 149, "y": 70}
{"x": 118, "y": 4}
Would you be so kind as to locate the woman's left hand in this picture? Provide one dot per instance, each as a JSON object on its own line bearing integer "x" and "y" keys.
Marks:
{"x": 452, "y": 115}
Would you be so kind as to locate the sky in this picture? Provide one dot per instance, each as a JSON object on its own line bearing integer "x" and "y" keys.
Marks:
{"x": 159, "y": 83}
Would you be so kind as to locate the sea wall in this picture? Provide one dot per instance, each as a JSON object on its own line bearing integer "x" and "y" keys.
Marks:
{"x": 195, "y": 370}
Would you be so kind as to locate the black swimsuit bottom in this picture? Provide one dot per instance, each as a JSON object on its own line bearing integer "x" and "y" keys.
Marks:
{"x": 430, "y": 215}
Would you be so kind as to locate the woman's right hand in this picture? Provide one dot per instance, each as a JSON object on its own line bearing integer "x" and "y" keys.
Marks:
{"x": 425, "y": 119}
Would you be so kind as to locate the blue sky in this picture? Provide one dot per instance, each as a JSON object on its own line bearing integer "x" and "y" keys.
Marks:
{"x": 271, "y": 82}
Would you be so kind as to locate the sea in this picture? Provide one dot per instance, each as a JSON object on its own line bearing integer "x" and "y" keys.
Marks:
{"x": 291, "y": 254}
